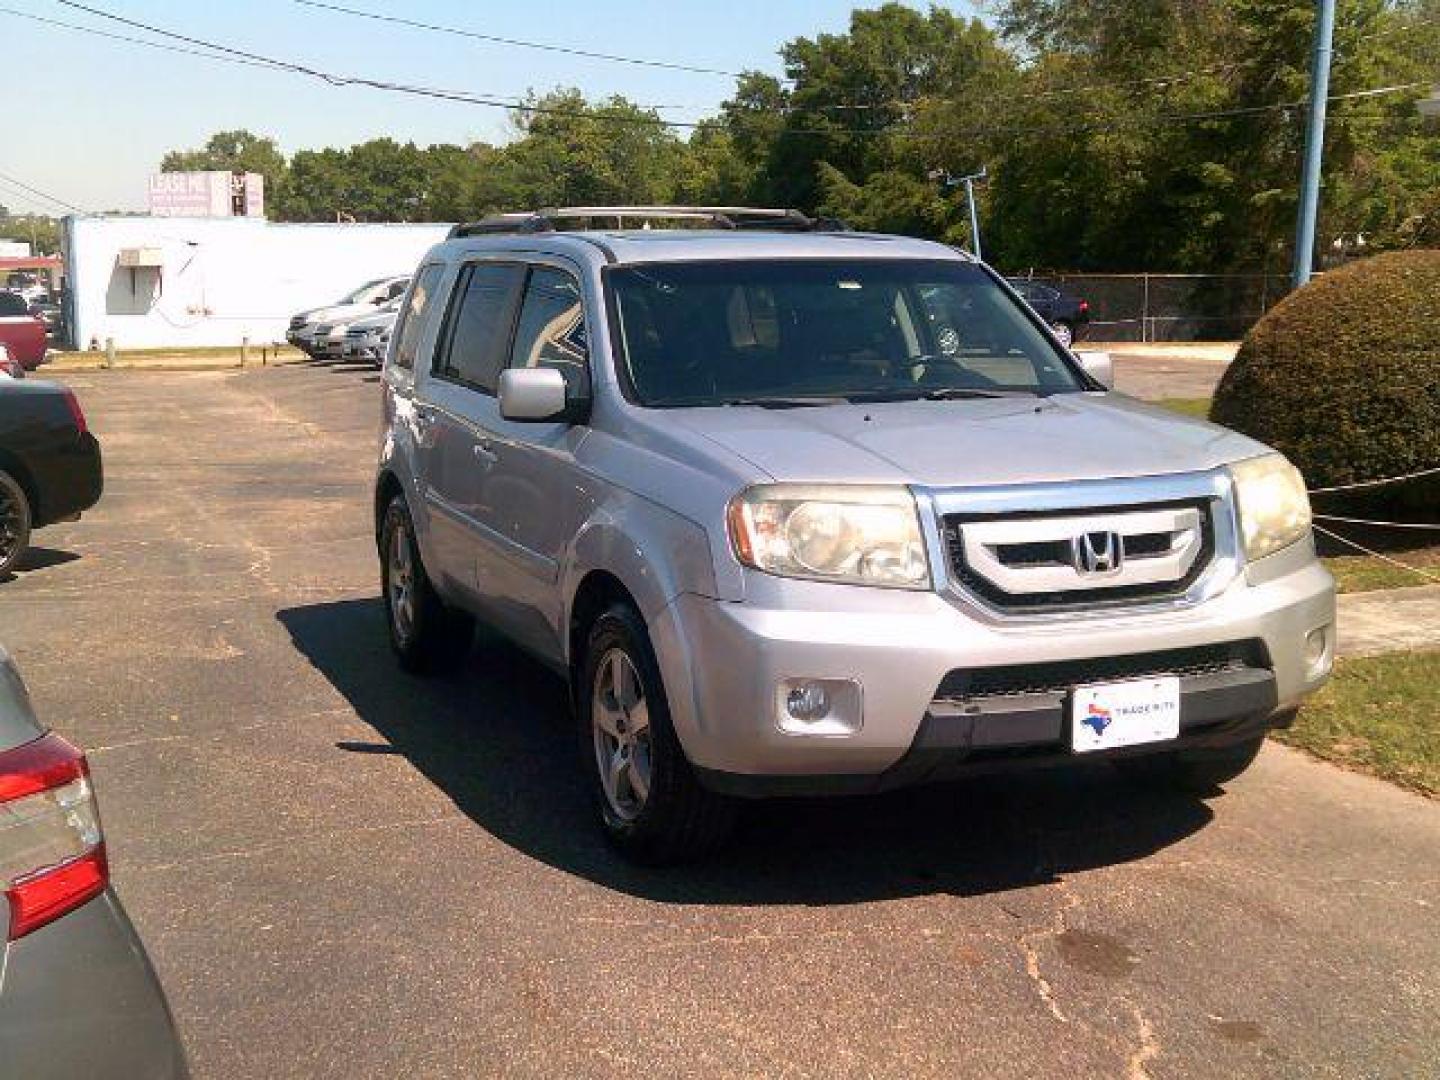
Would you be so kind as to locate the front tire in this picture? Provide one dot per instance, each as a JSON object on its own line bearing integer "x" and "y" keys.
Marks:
{"x": 1198, "y": 771}
{"x": 427, "y": 637}
{"x": 652, "y": 807}
{"x": 15, "y": 520}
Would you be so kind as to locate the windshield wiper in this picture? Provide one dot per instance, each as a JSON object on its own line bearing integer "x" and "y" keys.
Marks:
{"x": 934, "y": 393}
{"x": 779, "y": 402}
{"x": 759, "y": 402}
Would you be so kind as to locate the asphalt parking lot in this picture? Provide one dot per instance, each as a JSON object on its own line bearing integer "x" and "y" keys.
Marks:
{"x": 341, "y": 871}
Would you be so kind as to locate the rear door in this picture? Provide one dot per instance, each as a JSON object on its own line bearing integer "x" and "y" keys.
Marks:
{"x": 460, "y": 413}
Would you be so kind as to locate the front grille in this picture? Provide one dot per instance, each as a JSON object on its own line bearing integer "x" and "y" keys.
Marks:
{"x": 1016, "y": 558}
{"x": 1064, "y": 675}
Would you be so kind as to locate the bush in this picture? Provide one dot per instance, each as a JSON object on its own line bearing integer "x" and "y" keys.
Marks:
{"x": 1343, "y": 376}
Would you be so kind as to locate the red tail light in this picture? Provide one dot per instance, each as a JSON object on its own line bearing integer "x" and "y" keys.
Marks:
{"x": 52, "y": 852}
{"x": 75, "y": 411}
{"x": 1084, "y": 307}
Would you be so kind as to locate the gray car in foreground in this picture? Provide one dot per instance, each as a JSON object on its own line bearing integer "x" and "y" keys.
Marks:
{"x": 78, "y": 997}
{"x": 801, "y": 511}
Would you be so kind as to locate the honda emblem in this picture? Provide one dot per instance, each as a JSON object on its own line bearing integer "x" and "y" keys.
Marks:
{"x": 1097, "y": 553}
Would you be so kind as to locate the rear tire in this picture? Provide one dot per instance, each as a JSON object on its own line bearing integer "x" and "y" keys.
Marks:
{"x": 1192, "y": 770}
{"x": 428, "y": 638}
{"x": 15, "y": 520}
{"x": 652, "y": 807}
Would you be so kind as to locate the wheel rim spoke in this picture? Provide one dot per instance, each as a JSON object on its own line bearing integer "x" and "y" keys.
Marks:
{"x": 638, "y": 722}
{"x": 638, "y": 775}
{"x": 607, "y": 718}
{"x": 620, "y": 721}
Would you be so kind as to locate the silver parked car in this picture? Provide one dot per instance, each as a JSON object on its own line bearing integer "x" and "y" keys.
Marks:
{"x": 368, "y": 338}
{"x": 78, "y": 996}
{"x": 804, "y": 511}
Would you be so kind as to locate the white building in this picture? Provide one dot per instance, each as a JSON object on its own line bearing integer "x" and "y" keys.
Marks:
{"x": 165, "y": 282}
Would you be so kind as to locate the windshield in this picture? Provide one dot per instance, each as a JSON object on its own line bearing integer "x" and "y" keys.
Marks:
{"x": 359, "y": 295}
{"x": 814, "y": 330}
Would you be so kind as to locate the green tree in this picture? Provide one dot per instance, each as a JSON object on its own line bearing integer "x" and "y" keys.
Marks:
{"x": 570, "y": 152}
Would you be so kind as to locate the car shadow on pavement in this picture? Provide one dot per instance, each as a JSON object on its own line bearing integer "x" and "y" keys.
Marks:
{"x": 497, "y": 739}
{"x": 39, "y": 558}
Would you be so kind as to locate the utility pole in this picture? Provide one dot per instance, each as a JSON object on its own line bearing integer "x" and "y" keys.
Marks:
{"x": 969, "y": 182}
{"x": 1314, "y": 144}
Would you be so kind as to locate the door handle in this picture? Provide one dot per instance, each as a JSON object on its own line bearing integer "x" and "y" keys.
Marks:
{"x": 484, "y": 454}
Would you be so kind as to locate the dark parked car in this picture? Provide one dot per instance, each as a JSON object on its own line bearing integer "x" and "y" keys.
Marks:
{"x": 49, "y": 462}
{"x": 1067, "y": 315}
{"x": 47, "y": 310}
{"x": 79, "y": 997}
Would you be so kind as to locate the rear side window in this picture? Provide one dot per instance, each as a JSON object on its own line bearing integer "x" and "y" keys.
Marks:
{"x": 412, "y": 316}
{"x": 551, "y": 331}
{"x": 12, "y": 305}
{"x": 479, "y": 324}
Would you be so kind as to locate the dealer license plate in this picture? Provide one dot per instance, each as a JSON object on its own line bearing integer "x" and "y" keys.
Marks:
{"x": 1109, "y": 715}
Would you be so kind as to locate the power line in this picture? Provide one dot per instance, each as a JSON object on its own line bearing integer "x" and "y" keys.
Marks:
{"x": 43, "y": 194}
{"x": 516, "y": 42}
{"x": 135, "y": 40}
{"x": 464, "y": 97}
{"x": 257, "y": 62}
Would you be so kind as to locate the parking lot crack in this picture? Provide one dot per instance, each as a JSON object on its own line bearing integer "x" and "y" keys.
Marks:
{"x": 1029, "y": 949}
{"x": 1147, "y": 1050}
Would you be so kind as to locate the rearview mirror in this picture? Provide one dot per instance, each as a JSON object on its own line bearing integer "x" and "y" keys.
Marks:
{"x": 533, "y": 395}
{"x": 1099, "y": 367}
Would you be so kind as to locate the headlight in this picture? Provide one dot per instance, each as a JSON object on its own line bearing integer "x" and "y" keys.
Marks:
{"x": 859, "y": 535}
{"x": 1274, "y": 508}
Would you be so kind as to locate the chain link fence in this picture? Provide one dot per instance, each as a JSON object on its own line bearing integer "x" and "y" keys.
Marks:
{"x": 1172, "y": 307}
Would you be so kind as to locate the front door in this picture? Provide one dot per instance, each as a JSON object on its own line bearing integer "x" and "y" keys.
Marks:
{"x": 534, "y": 491}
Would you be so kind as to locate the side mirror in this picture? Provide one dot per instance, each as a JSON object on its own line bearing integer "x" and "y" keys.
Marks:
{"x": 534, "y": 395}
{"x": 1099, "y": 367}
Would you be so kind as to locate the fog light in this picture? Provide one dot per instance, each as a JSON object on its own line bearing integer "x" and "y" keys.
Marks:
{"x": 824, "y": 707}
{"x": 1317, "y": 652}
{"x": 807, "y": 702}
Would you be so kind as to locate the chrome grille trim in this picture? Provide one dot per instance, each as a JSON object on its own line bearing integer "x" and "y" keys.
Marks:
{"x": 982, "y": 543}
{"x": 1210, "y": 490}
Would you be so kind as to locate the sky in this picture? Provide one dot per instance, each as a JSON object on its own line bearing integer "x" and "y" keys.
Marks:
{"x": 91, "y": 117}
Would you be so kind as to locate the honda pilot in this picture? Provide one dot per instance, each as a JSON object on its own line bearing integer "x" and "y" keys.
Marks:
{"x": 803, "y": 511}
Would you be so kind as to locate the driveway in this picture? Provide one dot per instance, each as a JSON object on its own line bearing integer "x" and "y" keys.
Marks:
{"x": 341, "y": 871}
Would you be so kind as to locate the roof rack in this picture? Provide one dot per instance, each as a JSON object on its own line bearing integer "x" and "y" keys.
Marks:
{"x": 567, "y": 218}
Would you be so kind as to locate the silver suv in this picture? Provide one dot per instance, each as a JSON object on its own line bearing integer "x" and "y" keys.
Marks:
{"x": 798, "y": 510}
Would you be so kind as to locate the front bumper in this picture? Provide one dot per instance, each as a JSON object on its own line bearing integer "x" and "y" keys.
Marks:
{"x": 722, "y": 663}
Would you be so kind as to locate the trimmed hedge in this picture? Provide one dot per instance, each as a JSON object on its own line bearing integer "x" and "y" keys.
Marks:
{"x": 1343, "y": 376}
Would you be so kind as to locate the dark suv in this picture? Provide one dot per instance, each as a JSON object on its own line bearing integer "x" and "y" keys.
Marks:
{"x": 1067, "y": 315}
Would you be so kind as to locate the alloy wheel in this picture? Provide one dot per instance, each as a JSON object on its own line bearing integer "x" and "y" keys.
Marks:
{"x": 620, "y": 723}
{"x": 402, "y": 585}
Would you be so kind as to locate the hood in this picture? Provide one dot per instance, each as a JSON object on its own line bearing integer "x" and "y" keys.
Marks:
{"x": 1087, "y": 436}
{"x": 384, "y": 320}
{"x": 337, "y": 312}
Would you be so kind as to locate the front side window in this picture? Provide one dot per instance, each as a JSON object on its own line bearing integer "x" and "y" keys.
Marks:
{"x": 551, "y": 330}
{"x": 714, "y": 333}
{"x": 479, "y": 323}
{"x": 412, "y": 316}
